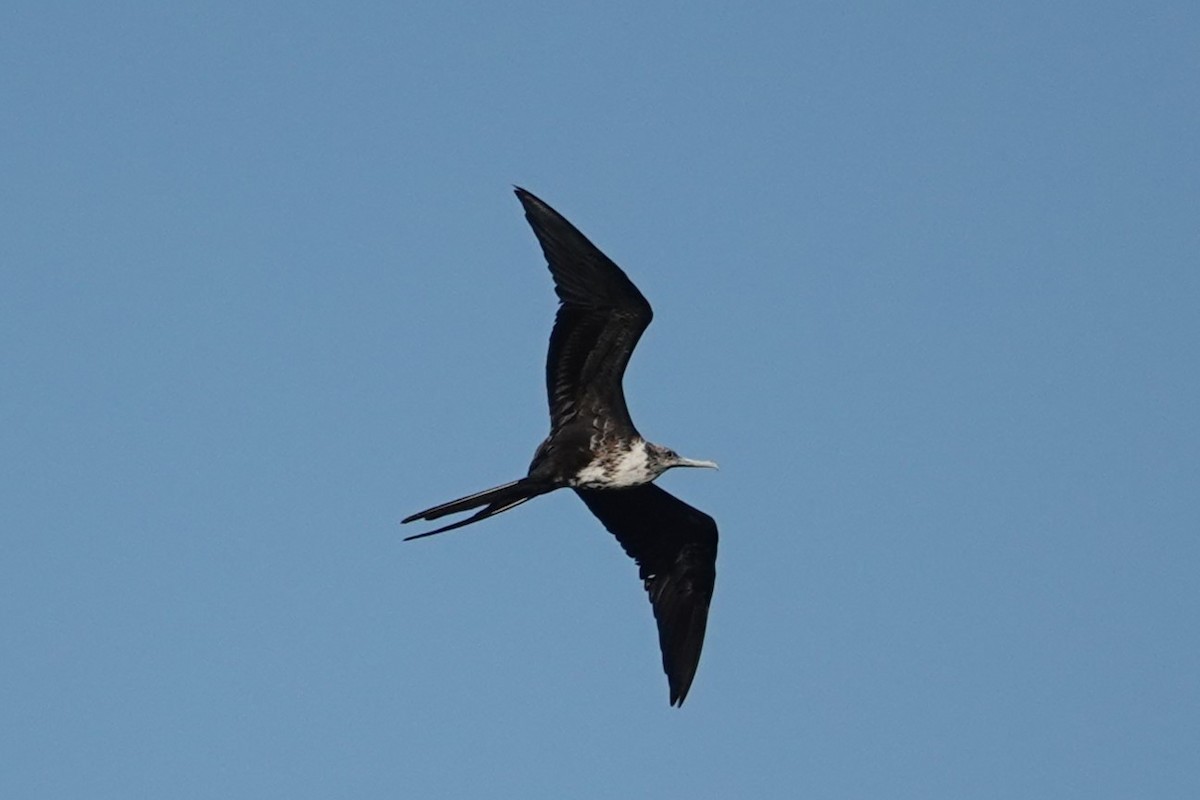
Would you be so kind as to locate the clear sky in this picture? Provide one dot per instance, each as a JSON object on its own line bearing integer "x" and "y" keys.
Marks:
{"x": 926, "y": 283}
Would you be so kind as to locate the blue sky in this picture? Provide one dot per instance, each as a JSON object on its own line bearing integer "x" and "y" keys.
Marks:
{"x": 926, "y": 285}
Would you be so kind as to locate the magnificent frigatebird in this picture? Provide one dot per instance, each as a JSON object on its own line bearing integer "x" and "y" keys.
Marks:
{"x": 594, "y": 448}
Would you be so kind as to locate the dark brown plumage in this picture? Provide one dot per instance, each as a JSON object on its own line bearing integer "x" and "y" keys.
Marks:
{"x": 594, "y": 448}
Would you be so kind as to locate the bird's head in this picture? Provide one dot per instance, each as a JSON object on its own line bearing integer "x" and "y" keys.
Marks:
{"x": 667, "y": 458}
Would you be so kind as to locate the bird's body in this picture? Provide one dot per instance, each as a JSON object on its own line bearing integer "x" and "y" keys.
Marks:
{"x": 594, "y": 448}
{"x": 617, "y": 467}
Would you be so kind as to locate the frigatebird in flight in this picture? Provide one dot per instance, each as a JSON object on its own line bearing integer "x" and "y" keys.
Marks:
{"x": 594, "y": 448}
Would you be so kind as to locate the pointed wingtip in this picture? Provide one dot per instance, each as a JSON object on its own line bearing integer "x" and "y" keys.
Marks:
{"x": 679, "y": 691}
{"x": 528, "y": 199}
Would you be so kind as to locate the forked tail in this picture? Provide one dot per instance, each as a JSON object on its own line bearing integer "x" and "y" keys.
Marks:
{"x": 494, "y": 500}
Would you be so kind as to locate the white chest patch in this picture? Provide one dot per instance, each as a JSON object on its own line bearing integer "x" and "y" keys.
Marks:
{"x": 629, "y": 468}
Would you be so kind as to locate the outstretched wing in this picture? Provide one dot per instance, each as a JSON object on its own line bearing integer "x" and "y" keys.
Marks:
{"x": 601, "y": 318}
{"x": 675, "y": 547}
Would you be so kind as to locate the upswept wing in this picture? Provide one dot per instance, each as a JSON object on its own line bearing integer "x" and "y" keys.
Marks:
{"x": 601, "y": 318}
{"x": 675, "y": 547}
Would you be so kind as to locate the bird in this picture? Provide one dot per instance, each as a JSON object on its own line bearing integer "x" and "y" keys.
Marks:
{"x": 594, "y": 449}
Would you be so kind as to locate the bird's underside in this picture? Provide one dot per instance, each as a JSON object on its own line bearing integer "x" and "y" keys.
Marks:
{"x": 594, "y": 448}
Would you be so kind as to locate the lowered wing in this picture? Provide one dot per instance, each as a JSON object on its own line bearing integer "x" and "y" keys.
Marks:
{"x": 675, "y": 547}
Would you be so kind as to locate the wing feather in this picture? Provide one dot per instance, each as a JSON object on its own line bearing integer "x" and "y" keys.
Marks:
{"x": 601, "y": 318}
{"x": 675, "y": 547}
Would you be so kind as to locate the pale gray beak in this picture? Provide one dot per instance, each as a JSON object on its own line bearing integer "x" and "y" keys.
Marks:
{"x": 692, "y": 462}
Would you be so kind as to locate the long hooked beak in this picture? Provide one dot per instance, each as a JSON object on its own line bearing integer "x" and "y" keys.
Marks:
{"x": 692, "y": 462}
